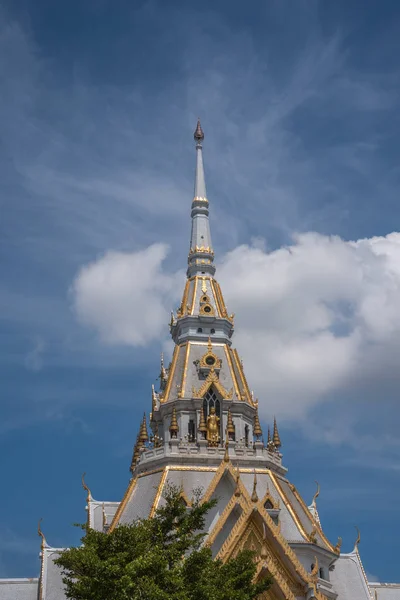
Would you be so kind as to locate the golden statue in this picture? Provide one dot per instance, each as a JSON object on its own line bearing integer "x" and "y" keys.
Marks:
{"x": 213, "y": 428}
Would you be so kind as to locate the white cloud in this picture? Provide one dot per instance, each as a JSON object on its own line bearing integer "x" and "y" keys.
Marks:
{"x": 312, "y": 319}
{"x": 125, "y": 296}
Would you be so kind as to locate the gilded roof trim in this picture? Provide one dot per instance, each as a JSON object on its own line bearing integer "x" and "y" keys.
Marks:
{"x": 314, "y": 521}
{"x": 246, "y": 396}
{"x": 181, "y": 393}
{"x": 123, "y": 503}
{"x": 232, "y": 370}
{"x": 171, "y": 373}
{"x": 157, "y": 497}
{"x": 194, "y": 295}
{"x": 219, "y": 300}
{"x": 289, "y": 507}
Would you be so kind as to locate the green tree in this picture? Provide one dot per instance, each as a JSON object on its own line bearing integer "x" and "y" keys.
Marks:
{"x": 161, "y": 558}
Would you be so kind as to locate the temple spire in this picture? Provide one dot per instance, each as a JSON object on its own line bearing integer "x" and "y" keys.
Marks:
{"x": 199, "y": 182}
{"x": 201, "y": 254}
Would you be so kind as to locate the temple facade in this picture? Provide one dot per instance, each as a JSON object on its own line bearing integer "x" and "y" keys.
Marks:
{"x": 204, "y": 431}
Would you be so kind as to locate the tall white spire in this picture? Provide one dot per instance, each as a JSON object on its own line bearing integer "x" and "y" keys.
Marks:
{"x": 201, "y": 254}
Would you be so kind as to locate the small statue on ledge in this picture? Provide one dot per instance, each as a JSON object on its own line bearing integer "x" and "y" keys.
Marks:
{"x": 213, "y": 436}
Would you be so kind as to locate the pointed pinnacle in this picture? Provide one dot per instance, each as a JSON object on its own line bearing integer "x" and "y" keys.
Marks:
{"x": 230, "y": 428}
{"x": 198, "y": 134}
{"x": 256, "y": 426}
{"x": 143, "y": 435}
{"x": 226, "y": 455}
{"x": 276, "y": 439}
{"x": 254, "y": 495}
{"x": 202, "y": 423}
{"x": 174, "y": 428}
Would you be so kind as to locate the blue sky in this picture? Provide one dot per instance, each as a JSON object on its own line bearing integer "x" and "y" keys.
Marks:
{"x": 299, "y": 103}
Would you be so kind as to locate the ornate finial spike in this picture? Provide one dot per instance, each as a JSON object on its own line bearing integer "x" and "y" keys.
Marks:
{"x": 202, "y": 423}
{"x": 358, "y": 540}
{"x": 316, "y": 494}
{"x": 339, "y": 544}
{"x": 276, "y": 439}
{"x": 256, "y": 426}
{"x": 174, "y": 428}
{"x": 143, "y": 435}
{"x": 226, "y": 455}
{"x": 41, "y": 534}
{"x": 85, "y": 487}
{"x": 269, "y": 436}
{"x": 254, "y": 496}
{"x": 230, "y": 427}
{"x": 136, "y": 455}
{"x": 198, "y": 134}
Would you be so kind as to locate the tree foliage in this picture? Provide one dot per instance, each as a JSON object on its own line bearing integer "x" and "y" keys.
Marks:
{"x": 161, "y": 558}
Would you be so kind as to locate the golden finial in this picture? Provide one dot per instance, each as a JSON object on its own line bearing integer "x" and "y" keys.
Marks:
{"x": 264, "y": 549}
{"x": 143, "y": 435}
{"x": 358, "y": 540}
{"x": 338, "y": 545}
{"x": 254, "y": 496}
{"x": 163, "y": 372}
{"x": 230, "y": 428}
{"x": 315, "y": 570}
{"x": 276, "y": 439}
{"x": 256, "y": 426}
{"x": 202, "y": 423}
{"x": 174, "y": 428}
{"x": 226, "y": 455}
{"x": 237, "y": 487}
{"x": 172, "y": 320}
{"x": 198, "y": 134}
{"x": 85, "y": 487}
{"x": 316, "y": 493}
{"x": 41, "y": 534}
{"x": 136, "y": 455}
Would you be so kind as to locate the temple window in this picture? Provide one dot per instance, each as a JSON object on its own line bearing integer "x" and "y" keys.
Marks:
{"x": 246, "y": 435}
{"x": 268, "y": 505}
{"x": 200, "y": 330}
{"x": 212, "y": 331}
{"x": 191, "y": 431}
{"x": 211, "y": 400}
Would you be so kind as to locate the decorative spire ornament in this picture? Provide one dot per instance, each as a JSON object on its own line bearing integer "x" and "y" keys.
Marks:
{"x": 163, "y": 372}
{"x": 202, "y": 424}
{"x": 226, "y": 455}
{"x": 276, "y": 439}
{"x": 43, "y": 544}
{"x": 358, "y": 540}
{"x": 135, "y": 455}
{"x": 201, "y": 254}
{"x": 85, "y": 487}
{"x": 174, "y": 428}
{"x": 198, "y": 134}
{"x": 254, "y": 495}
{"x": 143, "y": 435}
{"x": 256, "y": 425}
{"x": 230, "y": 427}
